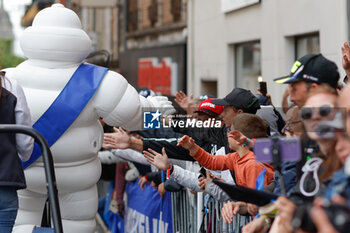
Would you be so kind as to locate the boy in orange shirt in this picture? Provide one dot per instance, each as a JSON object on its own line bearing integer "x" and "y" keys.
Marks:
{"x": 242, "y": 161}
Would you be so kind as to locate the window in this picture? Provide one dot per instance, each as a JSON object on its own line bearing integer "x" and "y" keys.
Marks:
{"x": 248, "y": 65}
{"x": 176, "y": 9}
{"x": 307, "y": 44}
{"x": 132, "y": 15}
{"x": 209, "y": 88}
{"x": 153, "y": 12}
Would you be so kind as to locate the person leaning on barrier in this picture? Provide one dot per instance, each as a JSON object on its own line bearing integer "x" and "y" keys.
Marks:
{"x": 243, "y": 162}
{"x": 192, "y": 180}
{"x": 253, "y": 126}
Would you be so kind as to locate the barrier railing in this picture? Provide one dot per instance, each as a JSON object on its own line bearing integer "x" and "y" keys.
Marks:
{"x": 194, "y": 214}
{"x": 184, "y": 212}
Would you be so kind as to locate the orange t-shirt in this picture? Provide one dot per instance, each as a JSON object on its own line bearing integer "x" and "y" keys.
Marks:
{"x": 246, "y": 168}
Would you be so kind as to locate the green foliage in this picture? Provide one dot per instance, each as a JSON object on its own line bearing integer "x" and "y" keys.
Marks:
{"x": 7, "y": 59}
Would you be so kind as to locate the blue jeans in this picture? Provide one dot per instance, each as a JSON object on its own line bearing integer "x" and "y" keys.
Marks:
{"x": 8, "y": 208}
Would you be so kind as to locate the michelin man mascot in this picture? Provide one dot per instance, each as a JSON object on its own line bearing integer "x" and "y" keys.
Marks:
{"x": 66, "y": 98}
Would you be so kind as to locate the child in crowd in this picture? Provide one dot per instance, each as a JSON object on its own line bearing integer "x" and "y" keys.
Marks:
{"x": 243, "y": 161}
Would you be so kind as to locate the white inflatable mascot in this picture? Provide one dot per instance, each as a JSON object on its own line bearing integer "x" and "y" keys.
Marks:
{"x": 55, "y": 46}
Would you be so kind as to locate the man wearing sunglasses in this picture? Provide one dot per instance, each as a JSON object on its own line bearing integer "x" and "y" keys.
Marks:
{"x": 308, "y": 72}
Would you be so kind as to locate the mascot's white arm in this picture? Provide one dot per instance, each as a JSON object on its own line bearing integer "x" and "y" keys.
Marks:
{"x": 119, "y": 104}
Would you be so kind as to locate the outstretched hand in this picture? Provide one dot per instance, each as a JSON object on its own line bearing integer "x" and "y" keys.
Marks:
{"x": 186, "y": 142}
{"x": 238, "y": 142}
{"x": 240, "y": 138}
{"x": 142, "y": 181}
{"x": 182, "y": 100}
{"x": 346, "y": 57}
{"x": 286, "y": 209}
{"x": 230, "y": 209}
{"x": 159, "y": 160}
{"x": 319, "y": 216}
{"x": 203, "y": 181}
{"x": 117, "y": 140}
{"x": 256, "y": 226}
{"x": 161, "y": 190}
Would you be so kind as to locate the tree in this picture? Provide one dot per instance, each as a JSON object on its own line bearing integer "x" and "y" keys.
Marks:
{"x": 7, "y": 58}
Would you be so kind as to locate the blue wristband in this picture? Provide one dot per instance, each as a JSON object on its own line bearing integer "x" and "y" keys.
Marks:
{"x": 247, "y": 144}
{"x": 162, "y": 176}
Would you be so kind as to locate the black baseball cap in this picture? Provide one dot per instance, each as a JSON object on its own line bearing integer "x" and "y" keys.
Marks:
{"x": 241, "y": 193}
{"x": 241, "y": 99}
{"x": 314, "y": 68}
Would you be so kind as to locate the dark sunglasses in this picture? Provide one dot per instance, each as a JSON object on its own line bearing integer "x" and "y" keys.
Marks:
{"x": 324, "y": 111}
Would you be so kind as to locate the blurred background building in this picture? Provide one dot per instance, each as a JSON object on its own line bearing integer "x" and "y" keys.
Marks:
{"x": 7, "y": 58}
{"x": 206, "y": 46}
{"x": 234, "y": 43}
{"x": 146, "y": 39}
{"x": 154, "y": 44}
{"x": 5, "y": 24}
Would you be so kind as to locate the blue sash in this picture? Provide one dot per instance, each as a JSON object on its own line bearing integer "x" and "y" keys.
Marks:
{"x": 67, "y": 106}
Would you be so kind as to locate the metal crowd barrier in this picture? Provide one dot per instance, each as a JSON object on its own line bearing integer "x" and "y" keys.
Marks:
{"x": 49, "y": 174}
{"x": 201, "y": 215}
{"x": 184, "y": 212}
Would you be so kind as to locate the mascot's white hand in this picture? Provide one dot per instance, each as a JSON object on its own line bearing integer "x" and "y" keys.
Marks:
{"x": 163, "y": 104}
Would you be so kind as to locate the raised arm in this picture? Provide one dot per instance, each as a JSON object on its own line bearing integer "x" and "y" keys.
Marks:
{"x": 183, "y": 177}
{"x": 170, "y": 144}
{"x": 213, "y": 135}
{"x": 346, "y": 58}
{"x": 121, "y": 140}
{"x": 209, "y": 161}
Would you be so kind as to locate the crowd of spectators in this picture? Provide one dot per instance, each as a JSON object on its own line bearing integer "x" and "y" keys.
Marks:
{"x": 313, "y": 190}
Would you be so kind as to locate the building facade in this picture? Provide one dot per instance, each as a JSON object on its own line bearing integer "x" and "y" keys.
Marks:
{"x": 146, "y": 39}
{"x": 100, "y": 19}
{"x": 153, "y": 54}
{"x": 236, "y": 43}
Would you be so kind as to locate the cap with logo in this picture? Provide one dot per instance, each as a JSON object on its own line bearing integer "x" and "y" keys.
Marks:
{"x": 314, "y": 68}
{"x": 146, "y": 92}
{"x": 241, "y": 99}
{"x": 206, "y": 96}
{"x": 209, "y": 108}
